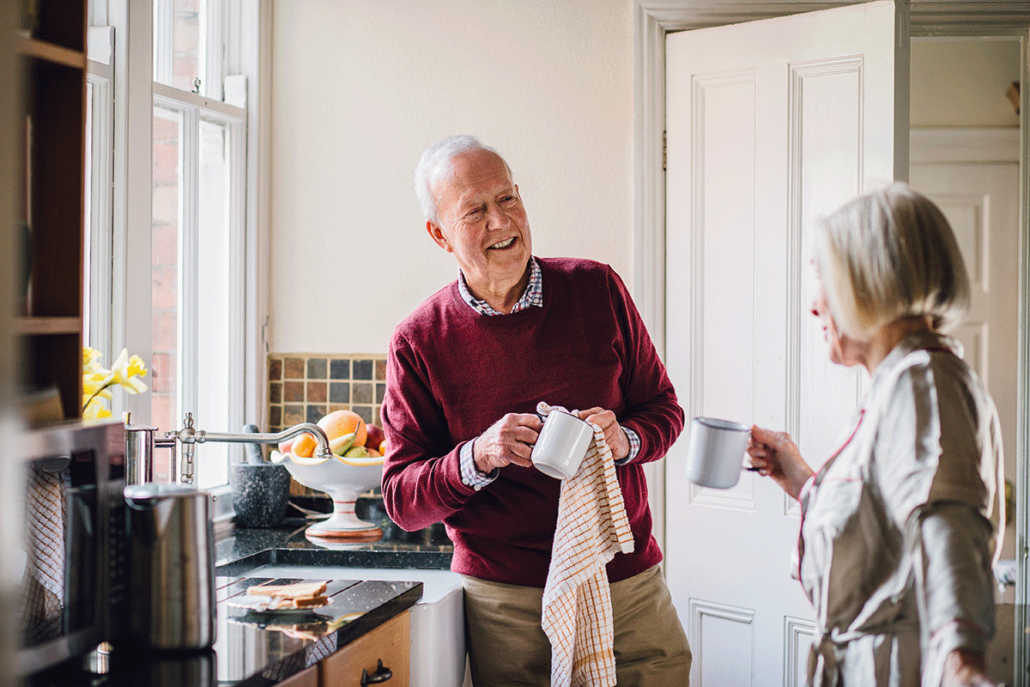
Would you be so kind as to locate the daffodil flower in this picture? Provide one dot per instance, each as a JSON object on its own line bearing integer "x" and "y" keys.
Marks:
{"x": 126, "y": 370}
{"x": 96, "y": 380}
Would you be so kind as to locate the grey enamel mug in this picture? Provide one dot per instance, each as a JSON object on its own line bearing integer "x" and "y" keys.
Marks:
{"x": 715, "y": 455}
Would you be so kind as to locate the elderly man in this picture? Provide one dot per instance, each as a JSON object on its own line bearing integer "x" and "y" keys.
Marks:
{"x": 465, "y": 373}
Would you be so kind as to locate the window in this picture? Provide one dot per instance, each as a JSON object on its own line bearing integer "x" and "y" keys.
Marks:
{"x": 197, "y": 229}
{"x": 171, "y": 289}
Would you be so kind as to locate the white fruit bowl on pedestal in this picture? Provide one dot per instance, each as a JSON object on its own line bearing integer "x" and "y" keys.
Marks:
{"x": 343, "y": 479}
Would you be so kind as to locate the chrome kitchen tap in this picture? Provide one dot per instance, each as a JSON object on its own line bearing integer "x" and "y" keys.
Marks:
{"x": 190, "y": 437}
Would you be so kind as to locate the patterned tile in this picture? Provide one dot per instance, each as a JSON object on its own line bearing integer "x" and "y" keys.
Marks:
{"x": 339, "y": 368}
{"x": 293, "y": 368}
{"x": 318, "y": 392}
{"x": 304, "y": 387}
{"x": 317, "y": 368}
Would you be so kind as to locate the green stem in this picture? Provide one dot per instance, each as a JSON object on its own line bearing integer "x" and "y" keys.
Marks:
{"x": 86, "y": 404}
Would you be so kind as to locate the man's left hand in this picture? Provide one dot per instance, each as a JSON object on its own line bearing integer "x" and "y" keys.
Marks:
{"x": 613, "y": 434}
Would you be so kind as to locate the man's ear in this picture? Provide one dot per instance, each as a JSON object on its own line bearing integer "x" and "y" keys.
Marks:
{"x": 438, "y": 236}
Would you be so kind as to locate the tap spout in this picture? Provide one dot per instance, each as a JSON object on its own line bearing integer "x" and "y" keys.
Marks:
{"x": 187, "y": 436}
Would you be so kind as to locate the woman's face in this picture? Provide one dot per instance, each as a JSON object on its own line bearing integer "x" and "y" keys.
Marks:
{"x": 843, "y": 350}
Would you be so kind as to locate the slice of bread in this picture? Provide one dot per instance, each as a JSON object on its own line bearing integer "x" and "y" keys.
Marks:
{"x": 297, "y": 592}
{"x": 278, "y": 603}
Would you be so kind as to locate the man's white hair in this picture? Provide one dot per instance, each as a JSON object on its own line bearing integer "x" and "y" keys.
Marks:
{"x": 436, "y": 162}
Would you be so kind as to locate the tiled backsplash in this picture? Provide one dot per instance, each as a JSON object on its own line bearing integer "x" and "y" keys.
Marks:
{"x": 303, "y": 387}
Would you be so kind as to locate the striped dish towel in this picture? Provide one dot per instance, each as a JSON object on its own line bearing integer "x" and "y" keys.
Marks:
{"x": 577, "y": 605}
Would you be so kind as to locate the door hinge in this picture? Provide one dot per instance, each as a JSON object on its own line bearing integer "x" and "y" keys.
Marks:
{"x": 665, "y": 151}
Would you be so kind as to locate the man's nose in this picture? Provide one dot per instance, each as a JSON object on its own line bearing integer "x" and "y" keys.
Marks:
{"x": 496, "y": 217}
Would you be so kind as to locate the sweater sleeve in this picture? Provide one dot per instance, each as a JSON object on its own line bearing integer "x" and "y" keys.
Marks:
{"x": 955, "y": 584}
{"x": 652, "y": 408}
{"x": 422, "y": 470}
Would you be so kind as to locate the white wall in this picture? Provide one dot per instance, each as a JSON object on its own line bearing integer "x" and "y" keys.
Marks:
{"x": 962, "y": 82}
{"x": 361, "y": 87}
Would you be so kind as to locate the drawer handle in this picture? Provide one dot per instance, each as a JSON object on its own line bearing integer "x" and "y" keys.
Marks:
{"x": 382, "y": 674}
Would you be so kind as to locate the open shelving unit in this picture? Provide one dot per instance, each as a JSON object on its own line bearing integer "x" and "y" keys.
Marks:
{"x": 51, "y": 85}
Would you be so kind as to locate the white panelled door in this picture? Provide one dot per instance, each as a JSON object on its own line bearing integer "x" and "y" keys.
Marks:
{"x": 770, "y": 124}
{"x": 980, "y": 198}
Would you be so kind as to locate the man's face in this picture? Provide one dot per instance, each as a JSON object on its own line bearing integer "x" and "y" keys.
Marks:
{"x": 482, "y": 221}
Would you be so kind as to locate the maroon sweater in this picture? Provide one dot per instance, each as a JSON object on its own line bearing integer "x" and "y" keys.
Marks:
{"x": 453, "y": 372}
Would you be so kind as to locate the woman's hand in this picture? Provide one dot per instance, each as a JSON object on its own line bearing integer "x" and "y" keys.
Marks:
{"x": 965, "y": 669}
{"x": 776, "y": 456}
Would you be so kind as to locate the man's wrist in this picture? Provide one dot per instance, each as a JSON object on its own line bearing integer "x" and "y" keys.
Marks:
{"x": 471, "y": 475}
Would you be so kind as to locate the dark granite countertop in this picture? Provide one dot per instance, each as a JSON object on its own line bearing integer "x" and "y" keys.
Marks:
{"x": 243, "y": 549}
{"x": 252, "y": 649}
{"x": 260, "y": 649}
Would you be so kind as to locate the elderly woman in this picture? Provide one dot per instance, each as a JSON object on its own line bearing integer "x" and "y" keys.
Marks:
{"x": 901, "y": 525}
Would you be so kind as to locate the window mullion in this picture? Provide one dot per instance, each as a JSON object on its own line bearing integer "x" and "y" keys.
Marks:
{"x": 188, "y": 296}
{"x": 238, "y": 264}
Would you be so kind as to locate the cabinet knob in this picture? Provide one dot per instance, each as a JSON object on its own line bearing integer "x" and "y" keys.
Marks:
{"x": 382, "y": 674}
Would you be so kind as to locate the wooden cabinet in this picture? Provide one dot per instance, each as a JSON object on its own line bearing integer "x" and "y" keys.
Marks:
{"x": 49, "y": 189}
{"x": 389, "y": 643}
{"x": 305, "y": 678}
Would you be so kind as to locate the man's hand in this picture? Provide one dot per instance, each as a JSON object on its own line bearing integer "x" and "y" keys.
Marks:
{"x": 613, "y": 434}
{"x": 508, "y": 441}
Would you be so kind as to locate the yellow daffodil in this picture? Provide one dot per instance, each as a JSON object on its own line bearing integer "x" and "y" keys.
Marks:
{"x": 126, "y": 369}
{"x": 96, "y": 380}
{"x": 90, "y": 358}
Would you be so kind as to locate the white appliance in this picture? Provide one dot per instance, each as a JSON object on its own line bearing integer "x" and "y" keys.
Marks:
{"x": 437, "y": 620}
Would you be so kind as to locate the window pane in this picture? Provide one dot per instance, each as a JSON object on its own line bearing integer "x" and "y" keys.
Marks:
{"x": 214, "y": 319}
{"x": 167, "y": 220}
{"x": 180, "y": 42}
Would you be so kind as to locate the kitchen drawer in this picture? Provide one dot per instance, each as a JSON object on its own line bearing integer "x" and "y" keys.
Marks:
{"x": 389, "y": 643}
{"x": 305, "y": 678}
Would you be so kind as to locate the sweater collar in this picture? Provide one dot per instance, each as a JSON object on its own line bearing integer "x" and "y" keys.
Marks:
{"x": 532, "y": 296}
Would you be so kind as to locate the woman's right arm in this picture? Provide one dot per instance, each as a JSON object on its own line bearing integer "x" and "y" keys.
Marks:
{"x": 775, "y": 455}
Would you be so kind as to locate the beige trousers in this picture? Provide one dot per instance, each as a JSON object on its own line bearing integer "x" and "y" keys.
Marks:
{"x": 508, "y": 648}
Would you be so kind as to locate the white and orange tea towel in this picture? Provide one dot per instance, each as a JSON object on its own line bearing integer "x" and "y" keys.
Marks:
{"x": 577, "y": 606}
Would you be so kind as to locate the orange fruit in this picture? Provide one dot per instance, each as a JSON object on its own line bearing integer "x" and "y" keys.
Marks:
{"x": 340, "y": 422}
{"x": 305, "y": 445}
{"x": 382, "y": 447}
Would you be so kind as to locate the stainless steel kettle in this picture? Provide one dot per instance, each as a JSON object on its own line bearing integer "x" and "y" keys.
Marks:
{"x": 172, "y": 566}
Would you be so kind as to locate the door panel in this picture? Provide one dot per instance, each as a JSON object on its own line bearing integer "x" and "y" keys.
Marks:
{"x": 770, "y": 124}
{"x": 981, "y": 203}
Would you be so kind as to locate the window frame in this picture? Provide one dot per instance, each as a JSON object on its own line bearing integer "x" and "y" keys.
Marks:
{"x": 245, "y": 52}
{"x": 193, "y": 109}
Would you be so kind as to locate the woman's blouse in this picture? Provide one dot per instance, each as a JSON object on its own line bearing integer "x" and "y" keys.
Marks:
{"x": 901, "y": 526}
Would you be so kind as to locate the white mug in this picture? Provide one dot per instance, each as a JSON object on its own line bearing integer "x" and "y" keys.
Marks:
{"x": 562, "y": 445}
{"x": 716, "y": 452}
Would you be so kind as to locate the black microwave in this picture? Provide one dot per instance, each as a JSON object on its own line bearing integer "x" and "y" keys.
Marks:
{"x": 73, "y": 583}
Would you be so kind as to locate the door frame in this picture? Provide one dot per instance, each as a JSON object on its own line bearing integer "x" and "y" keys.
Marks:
{"x": 652, "y": 20}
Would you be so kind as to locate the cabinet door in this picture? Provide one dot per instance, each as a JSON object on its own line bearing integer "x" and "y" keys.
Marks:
{"x": 389, "y": 643}
{"x": 305, "y": 678}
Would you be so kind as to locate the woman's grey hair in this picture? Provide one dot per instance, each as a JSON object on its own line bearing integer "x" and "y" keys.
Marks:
{"x": 890, "y": 254}
{"x": 436, "y": 162}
